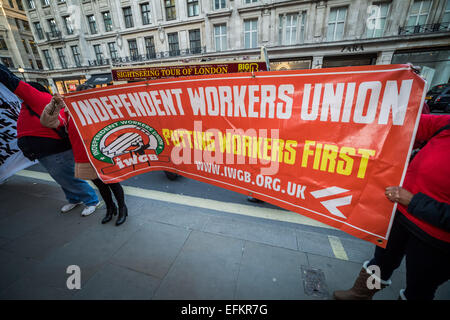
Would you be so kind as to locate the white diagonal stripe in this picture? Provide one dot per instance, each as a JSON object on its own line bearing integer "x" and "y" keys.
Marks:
{"x": 331, "y": 191}
{"x": 332, "y": 205}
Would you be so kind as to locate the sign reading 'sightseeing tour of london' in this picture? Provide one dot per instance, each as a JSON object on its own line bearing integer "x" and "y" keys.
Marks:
{"x": 324, "y": 143}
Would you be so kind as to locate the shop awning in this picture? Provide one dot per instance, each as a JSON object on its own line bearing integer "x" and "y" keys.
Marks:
{"x": 102, "y": 78}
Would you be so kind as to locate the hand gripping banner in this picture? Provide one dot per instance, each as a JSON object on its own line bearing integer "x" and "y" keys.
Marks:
{"x": 324, "y": 143}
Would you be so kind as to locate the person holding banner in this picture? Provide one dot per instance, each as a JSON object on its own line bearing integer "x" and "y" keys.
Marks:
{"x": 83, "y": 168}
{"x": 421, "y": 227}
{"x": 48, "y": 146}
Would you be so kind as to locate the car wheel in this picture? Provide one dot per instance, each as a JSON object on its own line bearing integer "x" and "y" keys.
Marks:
{"x": 170, "y": 175}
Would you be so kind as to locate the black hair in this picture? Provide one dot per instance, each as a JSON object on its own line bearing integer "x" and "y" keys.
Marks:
{"x": 38, "y": 86}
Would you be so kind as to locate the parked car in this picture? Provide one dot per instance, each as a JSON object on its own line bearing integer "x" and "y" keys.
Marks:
{"x": 438, "y": 98}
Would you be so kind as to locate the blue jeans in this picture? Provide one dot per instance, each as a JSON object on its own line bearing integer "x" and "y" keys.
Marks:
{"x": 61, "y": 167}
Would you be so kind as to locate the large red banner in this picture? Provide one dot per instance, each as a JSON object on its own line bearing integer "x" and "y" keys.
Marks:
{"x": 324, "y": 143}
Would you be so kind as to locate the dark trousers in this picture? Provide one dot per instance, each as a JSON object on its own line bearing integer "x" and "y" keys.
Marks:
{"x": 427, "y": 267}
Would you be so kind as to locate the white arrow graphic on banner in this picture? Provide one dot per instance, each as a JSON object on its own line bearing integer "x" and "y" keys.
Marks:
{"x": 332, "y": 204}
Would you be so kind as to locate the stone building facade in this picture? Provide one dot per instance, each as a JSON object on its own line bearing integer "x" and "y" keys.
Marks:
{"x": 80, "y": 39}
{"x": 18, "y": 50}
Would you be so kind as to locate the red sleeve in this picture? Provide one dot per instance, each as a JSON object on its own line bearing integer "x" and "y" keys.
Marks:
{"x": 32, "y": 97}
{"x": 429, "y": 124}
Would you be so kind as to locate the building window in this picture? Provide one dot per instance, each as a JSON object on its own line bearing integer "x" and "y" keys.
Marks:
{"x": 145, "y": 13}
{"x": 39, "y": 64}
{"x": 76, "y": 55}
{"x": 31, "y": 4}
{"x": 446, "y": 16}
{"x": 128, "y": 16}
{"x": 376, "y": 23}
{"x": 61, "y": 57}
{"x": 45, "y": 3}
{"x": 26, "y": 25}
{"x": 192, "y": 6}
{"x": 132, "y": 46}
{"x": 250, "y": 1}
{"x": 219, "y": 4}
{"x": 107, "y": 20}
{"x": 174, "y": 49}
{"x": 419, "y": 13}
{"x": 171, "y": 13}
{"x": 98, "y": 53}
{"x": 150, "y": 47}
{"x": 30, "y": 61}
{"x": 7, "y": 61}
{"x": 195, "y": 43}
{"x": 92, "y": 24}
{"x": 3, "y": 45}
{"x": 33, "y": 47}
{"x": 250, "y": 33}
{"x": 291, "y": 29}
{"x": 24, "y": 43}
{"x": 112, "y": 50}
{"x": 68, "y": 25}
{"x": 20, "y": 5}
{"x": 336, "y": 23}
{"x": 53, "y": 28}
{"x": 220, "y": 37}
{"x": 39, "y": 32}
{"x": 48, "y": 59}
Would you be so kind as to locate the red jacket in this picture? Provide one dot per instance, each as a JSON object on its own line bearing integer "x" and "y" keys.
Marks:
{"x": 28, "y": 124}
{"x": 429, "y": 171}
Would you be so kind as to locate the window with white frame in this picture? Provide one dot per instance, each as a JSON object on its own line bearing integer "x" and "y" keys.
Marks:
{"x": 98, "y": 53}
{"x": 92, "y": 24}
{"x": 112, "y": 50}
{"x": 250, "y": 33}
{"x": 48, "y": 59}
{"x": 250, "y": 1}
{"x": 76, "y": 55}
{"x": 376, "y": 23}
{"x": 220, "y": 37}
{"x": 291, "y": 28}
{"x": 419, "y": 13}
{"x": 145, "y": 13}
{"x": 150, "y": 47}
{"x": 446, "y": 16}
{"x": 336, "y": 23}
{"x": 219, "y": 4}
{"x": 192, "y": 6}
{"x": 61, "y": 57}
{"x": 68, "y": 25}
{"x": 107, "y": 21}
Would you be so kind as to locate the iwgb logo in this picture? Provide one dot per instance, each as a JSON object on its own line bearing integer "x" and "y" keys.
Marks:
{"x": 126, "y": 145}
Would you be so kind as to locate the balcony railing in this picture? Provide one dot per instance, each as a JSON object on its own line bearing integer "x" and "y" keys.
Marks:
{"x": 159, "y": 55}
{"x": 424, "y": 28}
{"x": 53, "y": 35}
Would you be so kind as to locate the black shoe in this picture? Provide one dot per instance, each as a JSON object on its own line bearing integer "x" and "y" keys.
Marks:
{"x": 254, "y": 200}
{"x": 110, "y": 212}
{"x": 123, "y": 213}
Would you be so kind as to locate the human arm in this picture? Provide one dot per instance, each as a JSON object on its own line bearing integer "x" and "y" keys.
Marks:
{"x": 50, "y": 114}
{"x": 33, "y": 98}
{"x": 422, "y": 206}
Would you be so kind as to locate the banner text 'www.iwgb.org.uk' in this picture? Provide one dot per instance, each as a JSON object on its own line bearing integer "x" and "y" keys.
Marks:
{"x": 324, "y": 143}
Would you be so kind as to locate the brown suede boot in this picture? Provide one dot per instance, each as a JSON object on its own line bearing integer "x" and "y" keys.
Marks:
{"x": 359, "y": 291}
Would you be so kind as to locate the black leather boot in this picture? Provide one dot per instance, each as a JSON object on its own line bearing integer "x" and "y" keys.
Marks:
{"x": 110, "y": 212}
{"x": 123, "y": 213}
